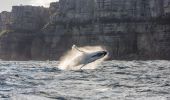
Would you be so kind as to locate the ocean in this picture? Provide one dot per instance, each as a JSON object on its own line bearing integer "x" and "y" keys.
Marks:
{"x": 111, "y": 80}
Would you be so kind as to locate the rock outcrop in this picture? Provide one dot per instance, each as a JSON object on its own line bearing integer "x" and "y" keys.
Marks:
{"x": 19, "y": 28}
{"x": 129, "y": 29}
{"x": 28, "y": 18}
{"x": 4, "y": 20}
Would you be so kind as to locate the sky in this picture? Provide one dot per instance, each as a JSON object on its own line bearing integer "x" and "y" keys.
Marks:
{"x": 6, "y": 5}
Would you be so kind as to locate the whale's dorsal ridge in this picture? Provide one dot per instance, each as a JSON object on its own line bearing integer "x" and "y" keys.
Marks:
{"x": 74, "y": 47}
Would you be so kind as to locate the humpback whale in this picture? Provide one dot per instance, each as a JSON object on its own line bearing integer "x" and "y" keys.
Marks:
{"x": 78, "y": 57}
{"x": 87, "y": 57}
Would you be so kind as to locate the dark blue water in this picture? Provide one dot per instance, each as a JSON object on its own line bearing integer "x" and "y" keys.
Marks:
{"x": 112, "y": 80}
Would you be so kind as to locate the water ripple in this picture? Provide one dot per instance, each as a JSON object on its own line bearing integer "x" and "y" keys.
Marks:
{"x": 112, "y": 80}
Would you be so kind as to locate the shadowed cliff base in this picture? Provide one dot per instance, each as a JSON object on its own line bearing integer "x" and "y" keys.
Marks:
{"x": 133, "y": 29}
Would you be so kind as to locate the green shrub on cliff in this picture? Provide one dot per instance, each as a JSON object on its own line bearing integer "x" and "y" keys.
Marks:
{"x": 4, "y": 32}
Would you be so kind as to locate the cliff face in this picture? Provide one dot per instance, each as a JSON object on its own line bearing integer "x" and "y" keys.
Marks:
{"x": 127, "y": 28}
{"x": 28, "y": 18}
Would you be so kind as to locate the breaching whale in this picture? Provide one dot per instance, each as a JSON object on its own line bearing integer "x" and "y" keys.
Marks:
{"x": 86, "y": 57}
{"x": 78, "y": 57}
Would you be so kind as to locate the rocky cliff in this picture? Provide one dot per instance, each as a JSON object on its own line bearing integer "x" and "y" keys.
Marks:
{"x": 129, "y": 29}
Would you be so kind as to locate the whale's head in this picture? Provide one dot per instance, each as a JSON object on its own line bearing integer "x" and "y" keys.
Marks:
{"x": 98, "y": 55}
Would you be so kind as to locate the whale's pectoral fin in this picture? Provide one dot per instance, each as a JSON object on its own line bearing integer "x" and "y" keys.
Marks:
{"x": 74, "y": 47}
{"x": 82, "y": 66}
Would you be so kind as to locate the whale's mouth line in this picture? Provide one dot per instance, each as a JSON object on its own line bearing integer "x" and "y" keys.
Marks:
{"x": 101, "y": 54}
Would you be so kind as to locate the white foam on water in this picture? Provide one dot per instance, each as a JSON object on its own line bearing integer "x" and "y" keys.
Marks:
{"x": 29, "y": 97}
